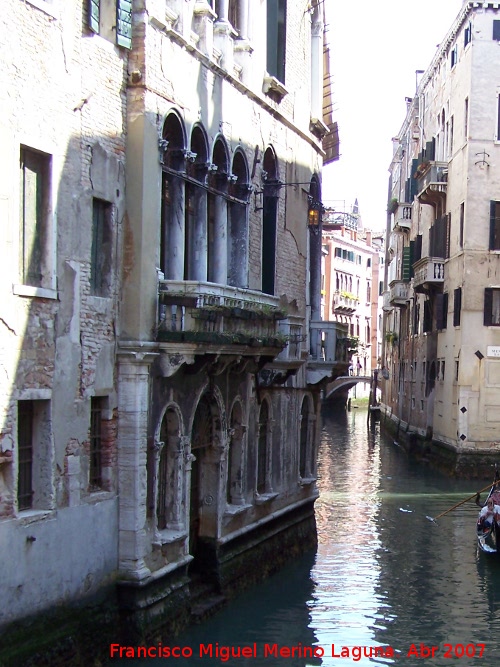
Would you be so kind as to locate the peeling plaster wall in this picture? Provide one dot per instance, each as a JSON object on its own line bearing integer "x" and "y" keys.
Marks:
{"x": 61, "y": 94}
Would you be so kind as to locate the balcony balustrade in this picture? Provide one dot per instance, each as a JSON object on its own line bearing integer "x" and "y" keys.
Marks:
{"x": 344, "y": 303}
{"x": 329, "y": 353}
{"x": 402, "y": 217}
{"x": 428, "y": 271}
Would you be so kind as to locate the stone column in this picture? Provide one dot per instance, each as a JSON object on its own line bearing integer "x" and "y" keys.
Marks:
{"x": 317, "y": 30}
{"x": 133, "y": 403}
{"x": 176, "y": 230}
{"x": 223, "y": 36}
{"x": 220, "y": 241}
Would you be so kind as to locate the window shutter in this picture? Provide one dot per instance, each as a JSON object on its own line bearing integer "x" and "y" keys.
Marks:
{"x": 496, "y": 31}
{"x": 406, "y": 263}
{"x": 124, "y": 23}
{"x": 457, "y": 306}
{"x": 93, "y": 15}
{"x": 488, "y": 305}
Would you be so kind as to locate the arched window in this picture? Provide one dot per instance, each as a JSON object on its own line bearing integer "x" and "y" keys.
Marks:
{"x": 217, "y": 213}
{"x": 172, "y": 242}
{"x": 196, "y": 208}
{"x": 269, "y": 220}
{"x": 239, "y": 190}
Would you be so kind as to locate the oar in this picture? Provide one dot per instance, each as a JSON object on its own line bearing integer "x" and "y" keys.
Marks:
{"x": 433, "y": 519}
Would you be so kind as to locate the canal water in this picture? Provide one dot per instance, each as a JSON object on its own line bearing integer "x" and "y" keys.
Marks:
{"x": 384, "y": 581}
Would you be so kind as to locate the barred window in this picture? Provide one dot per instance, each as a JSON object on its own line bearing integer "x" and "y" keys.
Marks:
{"x": 25, "y": 455}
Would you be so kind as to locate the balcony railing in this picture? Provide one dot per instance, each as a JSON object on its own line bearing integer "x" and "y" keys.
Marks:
{"x": 197, "y": 312}
{"x": 325, "y": 341}
{"x": 402, "y": 217}
{"x": 428, "y": 271}
{"x": 398, "y": 291}
{"x": 432, "y": 180}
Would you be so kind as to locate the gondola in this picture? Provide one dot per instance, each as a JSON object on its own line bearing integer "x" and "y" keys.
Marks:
{"x": 488, "y": 536}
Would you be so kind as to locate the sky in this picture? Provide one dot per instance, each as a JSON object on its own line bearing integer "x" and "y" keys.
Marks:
{"x": 376, "y": 48}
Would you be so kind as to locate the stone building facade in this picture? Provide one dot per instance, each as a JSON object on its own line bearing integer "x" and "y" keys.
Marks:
{"x": 441, "y": 318}
{"x": 222, "y": 350}
{"x": 353, "y": 258}
{"x": 162, "y": 346}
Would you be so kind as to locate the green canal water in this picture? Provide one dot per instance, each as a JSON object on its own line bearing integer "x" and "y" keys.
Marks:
{"x": 384, "y": 581}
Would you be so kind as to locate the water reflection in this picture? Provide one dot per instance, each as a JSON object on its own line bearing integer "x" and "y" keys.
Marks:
{"x": 383, "y": 575}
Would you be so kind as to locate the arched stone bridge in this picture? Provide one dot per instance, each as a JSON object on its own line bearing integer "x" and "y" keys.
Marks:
{"x": 344, "y": 383}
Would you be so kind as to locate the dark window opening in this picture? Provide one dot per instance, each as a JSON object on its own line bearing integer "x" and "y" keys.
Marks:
{"x": 25, "y": 417}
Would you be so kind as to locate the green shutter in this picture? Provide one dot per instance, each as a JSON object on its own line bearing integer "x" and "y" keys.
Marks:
{"x": 93, "y": 15}
{"x": 124, "y": 23}
{"x": 406, "y": 263}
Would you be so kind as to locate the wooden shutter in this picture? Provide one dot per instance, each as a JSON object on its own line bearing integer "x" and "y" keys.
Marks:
{"x": 488, "y": 305}
{"x": 406, "y": 263}
{"x": 124, "y": 23}
{"x": 496, "y": 31}
{"x": 93, "y": 15}
{"x": 457, "y": 306}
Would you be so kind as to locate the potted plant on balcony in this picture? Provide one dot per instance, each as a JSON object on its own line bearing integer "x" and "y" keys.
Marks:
{"x": 393, "y": 205}
{"x": 391, "y": 337}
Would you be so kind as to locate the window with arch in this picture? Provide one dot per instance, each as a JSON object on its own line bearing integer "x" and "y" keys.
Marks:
{"x": 234, "y": 487}
{"x": 269, "y": 220}
{"x": 264, "y": 451}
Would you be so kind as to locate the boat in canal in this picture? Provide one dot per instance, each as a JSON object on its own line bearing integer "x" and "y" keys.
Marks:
{"x": 488, "y": 534}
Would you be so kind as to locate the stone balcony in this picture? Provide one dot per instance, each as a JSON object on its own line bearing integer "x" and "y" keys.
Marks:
{"x": 398, "y": 293}
{"x": 428, "y": 272}
{"x": 402, "y": 217}
{"x": 219, "y": 315}
{"x": 386, "y": 303}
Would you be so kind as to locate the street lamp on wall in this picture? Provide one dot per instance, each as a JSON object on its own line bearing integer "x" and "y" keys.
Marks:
{"x": 315, "y": 208}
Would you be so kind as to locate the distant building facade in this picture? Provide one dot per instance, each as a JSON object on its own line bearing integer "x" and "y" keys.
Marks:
{"x": 163, "y": 348}
{"x": 443, "y": 278}
{"x": 351, "y": 287}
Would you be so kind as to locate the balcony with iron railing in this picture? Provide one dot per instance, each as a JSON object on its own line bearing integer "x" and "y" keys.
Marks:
{"x": 432, "y": 178}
